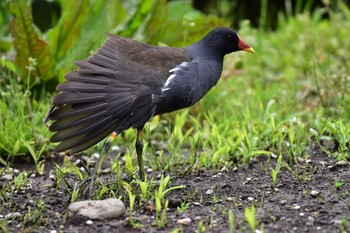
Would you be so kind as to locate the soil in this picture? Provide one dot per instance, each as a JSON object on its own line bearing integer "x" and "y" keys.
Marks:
{"x": 305, "y": 200}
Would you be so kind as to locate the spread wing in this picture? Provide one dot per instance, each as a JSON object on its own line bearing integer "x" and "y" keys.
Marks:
{"x": 111, "y": 91}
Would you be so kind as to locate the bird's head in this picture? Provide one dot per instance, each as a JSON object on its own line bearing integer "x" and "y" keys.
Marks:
{"x": 224, "y": 41}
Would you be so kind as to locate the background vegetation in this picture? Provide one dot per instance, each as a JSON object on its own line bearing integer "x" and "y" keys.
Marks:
{"x": 291, "y": 96}
{"x": 293, "y": 91}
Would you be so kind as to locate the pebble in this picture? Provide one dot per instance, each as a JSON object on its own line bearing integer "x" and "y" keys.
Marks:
{"x": 15, "y": 171}
{"x": 77, "y": 162}
{"x": 33, "y": 175}
{"x": 301, "y": 214}
{"x": 53, "y": 231}
{"x": 184, "y": 221}
{"x": 197, "y": 218}
{"x": 314, "y": 193}
{"x": 297, "y": 207}
{"x": 209, "y": 191}
{"x": 100, "y": 209}
{"x": 115, "y": 148}
{"x": 96, "y": 155}
{"x": 310, "y": 220}
{"x": 196, "y": 203}
{"x": 52, "y": 176}
{"x": 7, "y": 177}
{"x": 250, "y": 198}
{"x": 89, "y": 222}
{"x": 149, "y": 170}
{"x": 283, "y": 202}
{"x": 229, "y": 199}
{"x": 342, "y": 163}
{"x": 13, "y": 215}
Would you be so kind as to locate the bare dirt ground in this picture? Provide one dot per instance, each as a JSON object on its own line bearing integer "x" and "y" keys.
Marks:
{"x": 306, "y": 201}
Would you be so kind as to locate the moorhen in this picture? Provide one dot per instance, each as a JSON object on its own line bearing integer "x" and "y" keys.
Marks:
{"x": 126, "y": 83}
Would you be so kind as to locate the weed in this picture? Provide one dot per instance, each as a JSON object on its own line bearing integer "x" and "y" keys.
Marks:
{"x": 338, "y": 184}
{"x": 231, "y": 221}
{"x": 183, "y": 207}
{"x": 249, "y": 214}
{"x": 274, "y": 172}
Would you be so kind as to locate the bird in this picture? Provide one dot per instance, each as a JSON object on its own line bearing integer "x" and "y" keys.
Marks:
{"x": 126, "y": 83}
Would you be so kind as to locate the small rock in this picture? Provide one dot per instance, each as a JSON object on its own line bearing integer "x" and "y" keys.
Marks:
{"x": 301, "y": 214}
{"x": 196, "y": 203}
{"x": 297, "y": 207}
{"x": 102, "y": 209}
{"x": 33, "y": 175}
{"x": 15, "y": 171}
{"x": 7, "y": 177}
{"x": 106, "y": 170}
{"x": 250, "y": 198}
{"x": 229, "y": 199}
{"x": 314, "y": 193}
{"x": 13, "y": 215}
{"x": 197, "y": 218}
{"x": 341, "y": 163}
{"x": 96, "y": 155}
{"x": 283, "y": 202}
{"x": 209, "y": 191}
{"x": 149, "y": 207}
{"x": 149, "y": 170}
{"x": 77, "y": 162}
{"x": 115, "y": 148}
{"x": 89, "y": 222}
{"x": 184, "y": 221}
{"x": 53, "y": 231}
{"x": 52, "y": 176}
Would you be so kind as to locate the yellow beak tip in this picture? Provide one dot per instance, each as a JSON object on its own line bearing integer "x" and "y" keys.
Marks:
{"x": 249, "y": 50}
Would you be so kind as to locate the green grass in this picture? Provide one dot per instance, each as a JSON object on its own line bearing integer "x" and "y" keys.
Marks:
{"x": 293, "y": 92}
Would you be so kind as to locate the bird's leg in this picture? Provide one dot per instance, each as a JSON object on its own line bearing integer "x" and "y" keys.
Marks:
{"x": 139, "y": 148}
{"x": 98, "y": 165}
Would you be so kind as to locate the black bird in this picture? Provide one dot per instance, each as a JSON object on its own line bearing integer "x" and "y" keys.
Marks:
{"x": 126, "y": 83}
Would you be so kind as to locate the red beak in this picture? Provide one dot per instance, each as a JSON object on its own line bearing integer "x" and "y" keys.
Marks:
{"x": 244, "y": 46}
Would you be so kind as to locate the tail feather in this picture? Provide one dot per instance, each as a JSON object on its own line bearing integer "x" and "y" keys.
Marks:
{"x": 77, "y": 98}
{"x": 66, "y": 123}
{"x": 69, "y": 110}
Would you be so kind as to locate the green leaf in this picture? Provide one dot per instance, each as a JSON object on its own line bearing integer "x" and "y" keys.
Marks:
{"x": 27, "y": 42}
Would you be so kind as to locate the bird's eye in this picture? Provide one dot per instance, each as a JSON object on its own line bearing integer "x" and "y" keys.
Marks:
{"x": 229, "y": 36}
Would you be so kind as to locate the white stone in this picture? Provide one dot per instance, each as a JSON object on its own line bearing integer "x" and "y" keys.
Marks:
{"x": 184, "y": 221}
{"x": 101, "y": 209}
{"x": 209, "y": 191}
{"x": 89, "y": 222}
{"x": 314, "y": 193}
{"x": 149, "y": 170}
{"x": 115, "y": 148}
{"x": 342, "y": 163}
{"x": 7, "y": 177}
{"x": 297, "y": 207}
{"x": 301, "y": 214}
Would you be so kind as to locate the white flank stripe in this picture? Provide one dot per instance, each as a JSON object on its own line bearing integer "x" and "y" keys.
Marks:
{"x": 173, "y": 75}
